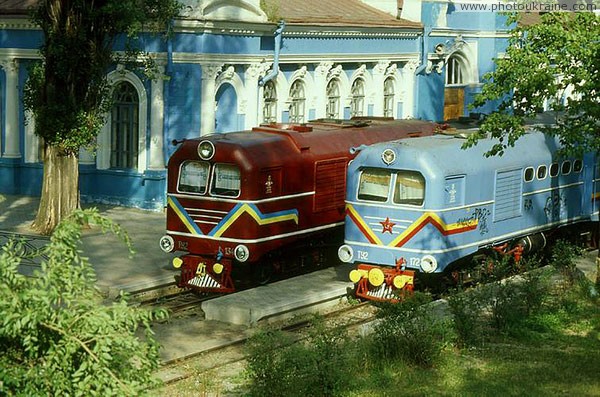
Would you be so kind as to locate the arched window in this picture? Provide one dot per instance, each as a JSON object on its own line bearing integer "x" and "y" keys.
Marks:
{"x": 388, "y": 97}
{"x": 298, "y": 98}
{"x": 124, "y": 127}
{"x": 455, "y": 74}
{"x": 357, "y": 104}
{"x": 333, "y": 99}
{"x": 269, "y": 103}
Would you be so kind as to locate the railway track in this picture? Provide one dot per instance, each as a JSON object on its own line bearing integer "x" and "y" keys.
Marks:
{"x": 231, "y": 356}
{"x": 179, "y": 304}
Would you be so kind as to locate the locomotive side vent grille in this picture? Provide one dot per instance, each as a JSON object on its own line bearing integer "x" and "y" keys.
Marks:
{"x": 209, "y": 217}
{"x": 508, "y": 195}
{"x": 330, "y": 184}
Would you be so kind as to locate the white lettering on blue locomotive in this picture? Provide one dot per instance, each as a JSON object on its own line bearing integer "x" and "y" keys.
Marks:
{"x": 363, "y": 255}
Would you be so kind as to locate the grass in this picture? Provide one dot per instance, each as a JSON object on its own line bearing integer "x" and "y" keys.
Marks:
{"x": 554, "y": 351}
{"x": 552, "y": 354}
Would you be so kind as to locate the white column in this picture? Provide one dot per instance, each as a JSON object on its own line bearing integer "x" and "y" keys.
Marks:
{"x": 252, "y": 94}
{"x": 207, "y": 106}
{"x": 378, "y": 77}
{"x": 321, "y": 72}
{"x": 409, "y": 80}
{"x": 11, "y": 121}
{"x": 157, "y": 116}
{"x": 32, "y": 141}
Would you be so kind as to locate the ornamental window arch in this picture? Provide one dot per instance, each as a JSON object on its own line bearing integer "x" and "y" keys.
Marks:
{"x": 333, "y": 106}
{"x": 269, "y": 97}
{"x": 357, "y": 100}
{"x": 461, "y": 67}
{"x": 389, "y": 96}
{"x": 122, "y": 140}
{"x": 297, "y": 101}
{"x": 280, "y": 89}
{"x": 231, "y": 77}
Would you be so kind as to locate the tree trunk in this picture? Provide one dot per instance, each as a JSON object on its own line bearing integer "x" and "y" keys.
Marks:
{"x": 60, "y": 189}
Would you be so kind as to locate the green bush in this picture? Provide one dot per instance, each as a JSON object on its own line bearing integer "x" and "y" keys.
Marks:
{"x": 563, "y": 257}
{"x": 56, "y": 336}
{"x": 316, "y": 366}
{"x": 466, "y": 310}
{"x": 410, "y": 331}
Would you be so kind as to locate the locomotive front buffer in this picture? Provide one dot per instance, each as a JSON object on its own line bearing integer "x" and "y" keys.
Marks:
{"x": 383, "y": 284}
{"x": 199, "y": 274}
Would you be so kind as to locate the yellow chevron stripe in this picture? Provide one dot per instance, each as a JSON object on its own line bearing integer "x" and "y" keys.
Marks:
{"x": 182, "y": 217}
{"x": 364, "y": 225}
{"x": 424, "y": 218}
{"x": 247, "y": 209}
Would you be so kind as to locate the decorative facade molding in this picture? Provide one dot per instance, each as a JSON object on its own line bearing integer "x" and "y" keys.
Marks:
{"x": 323, "y": 68}
{"x": 381, "y": 67}
{"x": 211, "y": 71}
{"x": 411, "y": 66}
{"x": 335, "y": 72}
{"x": 224, "y": 10}
{"x": 391, "y": 70}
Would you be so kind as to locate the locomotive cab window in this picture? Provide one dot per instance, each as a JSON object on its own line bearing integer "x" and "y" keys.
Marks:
{"x": 566, "y": 167}
{"x": 541, "y": 172}
{"x": 193, "y": 177}
{"x": 374, "y": 185}
{"x": 226, "y": 180}
{"x": 529, "y": 173}
{"x": 577, "y": 166}
{"x": 409, "y": 188}
{"x": 553, "y": 169}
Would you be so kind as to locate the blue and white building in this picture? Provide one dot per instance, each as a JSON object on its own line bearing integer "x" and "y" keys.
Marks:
{"x": 231, "y": 65}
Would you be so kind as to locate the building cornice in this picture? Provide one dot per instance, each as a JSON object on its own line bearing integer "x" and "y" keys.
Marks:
{"x": 293, "y": 30}
{"x": 181, "y": 57}
{"x": 19, "y": 53}
{"x": 20, "y": 23}
{"x": 473, "y": 34}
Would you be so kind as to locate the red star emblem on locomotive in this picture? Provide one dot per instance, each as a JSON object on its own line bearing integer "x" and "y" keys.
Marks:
{"x": 387, "y": 226}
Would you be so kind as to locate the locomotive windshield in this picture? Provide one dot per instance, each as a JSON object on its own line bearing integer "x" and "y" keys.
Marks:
{"x": 410, "y": 188}
{"x": 226, "y": 181}
{"x": 193, "y": 177}
{"x": 375, "y": 185}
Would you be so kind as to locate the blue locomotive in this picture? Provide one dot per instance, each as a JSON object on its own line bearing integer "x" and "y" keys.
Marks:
{"x": 424, "y": 205}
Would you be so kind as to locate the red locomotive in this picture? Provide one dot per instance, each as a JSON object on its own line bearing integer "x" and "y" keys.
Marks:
{"x": 263, "y": 199}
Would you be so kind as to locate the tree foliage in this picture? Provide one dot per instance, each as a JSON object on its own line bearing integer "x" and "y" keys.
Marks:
{"x": 67, "y": 92}
{"x": 554, "y": 63}
{"x": 56, "y": 336}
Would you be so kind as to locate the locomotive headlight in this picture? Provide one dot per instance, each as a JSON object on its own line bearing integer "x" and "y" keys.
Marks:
{"x": 428, "y": 264}
{"x": 241, "y": 253}
{"x": 345, "y": 253}
{"x": 206, "y": 150}
{"x": 167, "y": 244}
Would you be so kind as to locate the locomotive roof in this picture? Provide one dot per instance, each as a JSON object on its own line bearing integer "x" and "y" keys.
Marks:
{"x": 318, "y": 137}
{"x": 443, "y": 153}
